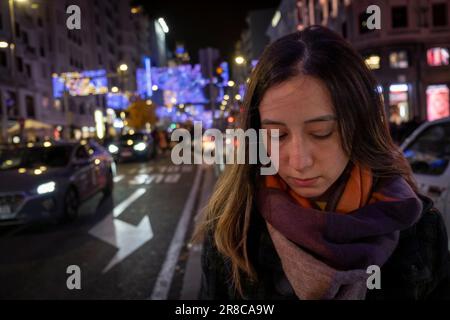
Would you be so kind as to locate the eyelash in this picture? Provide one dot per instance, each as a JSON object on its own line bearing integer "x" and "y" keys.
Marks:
{"x": 282, "y": 136}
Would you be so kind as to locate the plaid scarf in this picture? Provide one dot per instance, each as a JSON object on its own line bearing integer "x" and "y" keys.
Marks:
{"x": 325, "y": 254}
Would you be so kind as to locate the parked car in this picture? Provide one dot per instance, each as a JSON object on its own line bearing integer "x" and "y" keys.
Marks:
{"x": 428, "y": 151}
{"x": 50, "y": 180}
{"x": 136, "y": 146}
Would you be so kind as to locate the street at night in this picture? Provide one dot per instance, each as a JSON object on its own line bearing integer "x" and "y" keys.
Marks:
{"x": 120, "y": 242}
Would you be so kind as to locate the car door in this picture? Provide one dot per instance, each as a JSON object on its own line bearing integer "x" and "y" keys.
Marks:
{"x": 83, "y": 176}
{"x": 429, "y": 155}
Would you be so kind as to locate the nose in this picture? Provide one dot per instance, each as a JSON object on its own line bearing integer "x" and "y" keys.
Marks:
{"x": 300, "y": 155}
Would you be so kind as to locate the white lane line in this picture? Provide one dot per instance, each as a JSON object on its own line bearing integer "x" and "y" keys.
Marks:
{"x": 164, "y": 280}
{"x": 118, "y": 178}
{"x": 128, "y": 201}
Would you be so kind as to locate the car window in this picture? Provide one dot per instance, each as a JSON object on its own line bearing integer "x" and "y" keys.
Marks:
{"x": 21, "y": 157}
{"x": 81, "y": 153}
{"x": 429, "y": 153}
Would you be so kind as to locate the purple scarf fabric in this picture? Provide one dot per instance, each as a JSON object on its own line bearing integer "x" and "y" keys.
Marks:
{"x": 364, "y": 237}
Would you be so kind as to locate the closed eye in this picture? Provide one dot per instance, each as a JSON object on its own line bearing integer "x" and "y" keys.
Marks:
{"x": 321, "y": 136}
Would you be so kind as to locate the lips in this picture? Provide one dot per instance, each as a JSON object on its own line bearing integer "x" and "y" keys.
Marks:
{"x": 304, "y": 182}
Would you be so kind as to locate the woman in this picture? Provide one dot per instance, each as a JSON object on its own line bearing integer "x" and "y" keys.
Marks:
{"x": 343, "y": 201}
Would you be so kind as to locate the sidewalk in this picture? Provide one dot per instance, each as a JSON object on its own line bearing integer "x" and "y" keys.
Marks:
{"x": 192, "y": 276}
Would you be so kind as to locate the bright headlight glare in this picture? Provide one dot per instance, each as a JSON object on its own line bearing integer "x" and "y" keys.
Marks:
{"x": 113, "y": 148}
{"x": 46, "y": 187}
{"x": 141, "y": 146}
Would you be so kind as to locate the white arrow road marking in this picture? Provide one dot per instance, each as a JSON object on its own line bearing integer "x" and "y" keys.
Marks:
{"x": 124, "y": 236}
{"x": 126, "y": 203}
{"x": 118, "y": 178}
{"x": 164, "y": 280}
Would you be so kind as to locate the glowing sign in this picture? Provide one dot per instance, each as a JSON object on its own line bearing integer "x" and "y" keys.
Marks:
{"x": 80, "y": 83}
{"x": 117, "y": 101}
{"x": 144, "y": 80}
{"x": 437, "y": 102}
{"x": 182, "y": 84}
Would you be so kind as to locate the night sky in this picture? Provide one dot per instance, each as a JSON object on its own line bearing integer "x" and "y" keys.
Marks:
{"x": 202, "y": 23}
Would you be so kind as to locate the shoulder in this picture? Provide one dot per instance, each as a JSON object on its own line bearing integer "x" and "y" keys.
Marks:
{"x": 419, "y": 268}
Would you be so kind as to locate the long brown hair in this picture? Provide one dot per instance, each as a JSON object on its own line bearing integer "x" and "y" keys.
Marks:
{"x": 316, "y": 51}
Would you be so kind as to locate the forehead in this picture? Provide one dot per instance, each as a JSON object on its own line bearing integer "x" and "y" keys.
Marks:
{"x": 298, "y": 98}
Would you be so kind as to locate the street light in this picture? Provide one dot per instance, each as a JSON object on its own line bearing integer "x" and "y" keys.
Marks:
{"x": 4, "y": 44}
{"x": 239, "y": 59}
{"x": 123, "y": 67}
{"x": 163, "y": 25}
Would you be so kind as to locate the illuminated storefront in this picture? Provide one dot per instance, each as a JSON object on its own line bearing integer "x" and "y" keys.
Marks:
{"x": 438, "y": 102}
{"x": 399, "y": 103}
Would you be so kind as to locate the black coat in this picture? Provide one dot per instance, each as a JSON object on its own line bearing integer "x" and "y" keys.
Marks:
{"x": 419, "y": 268}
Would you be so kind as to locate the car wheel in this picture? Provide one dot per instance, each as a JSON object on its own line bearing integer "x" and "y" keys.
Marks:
{"x": 71, "y": 205}
{"x": 108, "y": 190}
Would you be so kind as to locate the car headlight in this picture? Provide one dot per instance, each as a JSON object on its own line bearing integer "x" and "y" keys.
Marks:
{"x": 141, "y": 146}
{"x": 113, "y": 148}
{"x": 46, "y": 187}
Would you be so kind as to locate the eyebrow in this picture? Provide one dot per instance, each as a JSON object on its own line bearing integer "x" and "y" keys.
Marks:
{"x": 328, "y": 117}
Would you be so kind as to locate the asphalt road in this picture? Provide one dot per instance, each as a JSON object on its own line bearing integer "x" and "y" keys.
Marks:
{"x": 119, "y": 243}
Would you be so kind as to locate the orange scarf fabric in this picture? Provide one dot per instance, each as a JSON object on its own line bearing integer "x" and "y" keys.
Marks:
{"x": 356, "y": 193}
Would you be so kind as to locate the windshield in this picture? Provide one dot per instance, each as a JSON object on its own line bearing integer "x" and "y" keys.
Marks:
{"x": 429, "y": 153}
{"x": 13, "y": 158}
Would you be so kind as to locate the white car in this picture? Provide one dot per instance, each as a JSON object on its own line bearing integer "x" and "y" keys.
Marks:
{"x": 428, "y": 151}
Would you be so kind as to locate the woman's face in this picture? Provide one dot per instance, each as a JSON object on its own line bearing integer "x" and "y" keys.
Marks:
{"x": 311, "y": 157}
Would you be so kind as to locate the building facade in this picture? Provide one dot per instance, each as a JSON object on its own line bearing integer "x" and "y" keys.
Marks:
{"x": 112, "y": 34}
{"x": 409, "y": 54}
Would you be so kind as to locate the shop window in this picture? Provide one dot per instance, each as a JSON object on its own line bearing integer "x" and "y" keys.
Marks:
{"x": 399, "y": 16}
{"x": 439, "y": 14}
{"x": 438, "y": 102}
{"x": 398, "y": 103}
{"x": 373, "y": 61}
{"x": 398, "y": 59}
{"x": 437, "y": 57}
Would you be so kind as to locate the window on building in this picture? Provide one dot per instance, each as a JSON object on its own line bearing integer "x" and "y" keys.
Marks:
{"x": 399, "y": 59}
{"x": 28, "y": 70}
{"x": 25, "y": 37}
{"x": 399, "y": 15}
{"x": 440, "y": 12}
{"x": 29, "y": 104}
{"x": 18, "y": 30}
{"x": 3, "y": 61}
{"x": 12, "y": 106}
{"x": 373, "y": 61}
{"x": 438, "y": 57}
{"x": 399, "y": 103}
{"x": 19, "y": 64}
